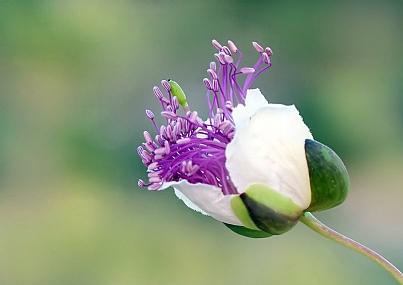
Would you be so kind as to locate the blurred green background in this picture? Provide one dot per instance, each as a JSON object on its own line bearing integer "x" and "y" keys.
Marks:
{"x": 76, "y": 77}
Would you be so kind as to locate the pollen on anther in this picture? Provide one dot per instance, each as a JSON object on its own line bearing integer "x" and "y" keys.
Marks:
{"x": 212, "y": 73}
{"x": 150, "y": 114}
{"x": 166, "y": 85}
{"x": 167, "y": 148}
{"x": 183, "y": 141}
{"x": 226, "y": 50}
{"x": 147, "y": 136}
{"x": 246, "y": 70}
{"x": 217, "y": 56}
{"x": 269, "y": 51}
{"x": 266, "y": 58}
{"x": 215, "y": 85}
{"x": 213, "y": 66}
{"x": 140, "y": 150}
{"x": 258, "y": 47}
{"x": 207, "y": 83}
{"x": 175, "y": 103}
{"x": 152, "y": 166}
{"x": 168, "y": 114}
{"x": 216, "y": 45}
{"x": 158, "y": 93}
{"x": 228, "y": 59}
{"x": 232, "y": 46}
{"x": 141, "y": 183}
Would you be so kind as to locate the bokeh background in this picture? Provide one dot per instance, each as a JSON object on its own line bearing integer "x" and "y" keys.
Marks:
{"x": 76, "y": 77}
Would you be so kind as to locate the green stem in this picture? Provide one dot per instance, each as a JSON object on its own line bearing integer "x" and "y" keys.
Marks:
{"x": 309, "y": 220}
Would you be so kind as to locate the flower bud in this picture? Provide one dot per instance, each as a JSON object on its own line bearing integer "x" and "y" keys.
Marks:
{"x": 265, "y": 212}
{"x": 328, "y": 177}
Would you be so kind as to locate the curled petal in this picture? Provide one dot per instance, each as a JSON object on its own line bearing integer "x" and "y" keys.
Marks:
{"x": 206, "y": 199}
{"x": 268, "y": 148}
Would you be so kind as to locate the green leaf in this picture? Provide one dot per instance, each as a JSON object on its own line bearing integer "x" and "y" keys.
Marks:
{"x": 328, "y": 177}
{"x": 247, "y": 232}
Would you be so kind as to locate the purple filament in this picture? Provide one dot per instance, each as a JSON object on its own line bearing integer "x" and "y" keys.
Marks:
{"x": 188, "y": 148}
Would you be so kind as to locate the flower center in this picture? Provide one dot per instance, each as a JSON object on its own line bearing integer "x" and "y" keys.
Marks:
{"x": 187, "y": 147}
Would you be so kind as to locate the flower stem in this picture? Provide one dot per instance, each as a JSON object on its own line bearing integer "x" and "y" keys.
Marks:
{"x": 309, "y": 220}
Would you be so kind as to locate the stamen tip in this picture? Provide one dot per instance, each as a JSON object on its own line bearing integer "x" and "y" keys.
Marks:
{"x": 213, "y": 65}
{"x": 216, "y": 44}
{"x": 150, "y": 114}
{"x": 141, "y": 183}
{"x": 232, "y": 46}
{"x": 269, "y": 51}
{"x": 258, "y": 47}
{"x": 158, "y": 93}
{"x": 246, "y": 70}
{"x": 166, "y": 85}
{"x": 266, "y": 58}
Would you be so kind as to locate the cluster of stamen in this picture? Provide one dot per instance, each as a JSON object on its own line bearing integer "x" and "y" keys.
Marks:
{"x": 188, "y": 148}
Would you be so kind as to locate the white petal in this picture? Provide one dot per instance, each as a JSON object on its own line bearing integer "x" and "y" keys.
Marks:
{"x": 254, "y": 101}
{"x": 269, "y": 149}
{"x": 188, "y": 203}
{"x": 207, "y": 199}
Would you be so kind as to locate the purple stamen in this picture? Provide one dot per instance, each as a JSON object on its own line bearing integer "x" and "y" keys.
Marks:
{"x": 189, "y": 148}
{"x": 149, "y": 147}
{"x": 258, "y": 47}
{"x": 175, "y": 103}
{"x": 207, "y": 83}
{"x": 140, "y": 150}
{"x": 228, "y": 59}
{"x": 213, "y": 66}
{"x": 150, "y": 115}
{"x": 183, "y": 141}
{"x": 146, "y": 157}
{"x": 141, "y": 183}
{"x": 246, "y": 70}
{"x": 154, "y": 174}
{"x": 222, "y": 56}
{"x": 232, "y": 47}
{"x": 147, "y": 137}
{"x": 226, "y": 50}
{"x": 152, "y": 166}
{"x": 265, "y": 58}
{"x": 220, "y": 60}
{"x": 154, "y": 186}
{"x": 215, "y": 85}
{"x": 167, "y": 147}
{"x": 155, "y": 180}
{"x": 160, "y": 140}
{"x": 160, "y": 151}
{"x": 216, "y": 44}
{"x": 158, "y": 93}
{"x": 168, "y": 114}
{"x": 166, "y": 85}
{"x": 269, "y": 51}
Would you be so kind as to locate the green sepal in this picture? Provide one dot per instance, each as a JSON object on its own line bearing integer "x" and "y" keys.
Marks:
{"x": 240, "y": 210}
{"x": 247, "y": 232}
{"x": 270, "y": 211}
{"x": 328, "y": 177}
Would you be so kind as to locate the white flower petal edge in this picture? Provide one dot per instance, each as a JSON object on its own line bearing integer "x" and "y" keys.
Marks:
{"x": 254, "y": 101}
{"x": 207, "y": 199}
{"x": 269, "y": 148}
